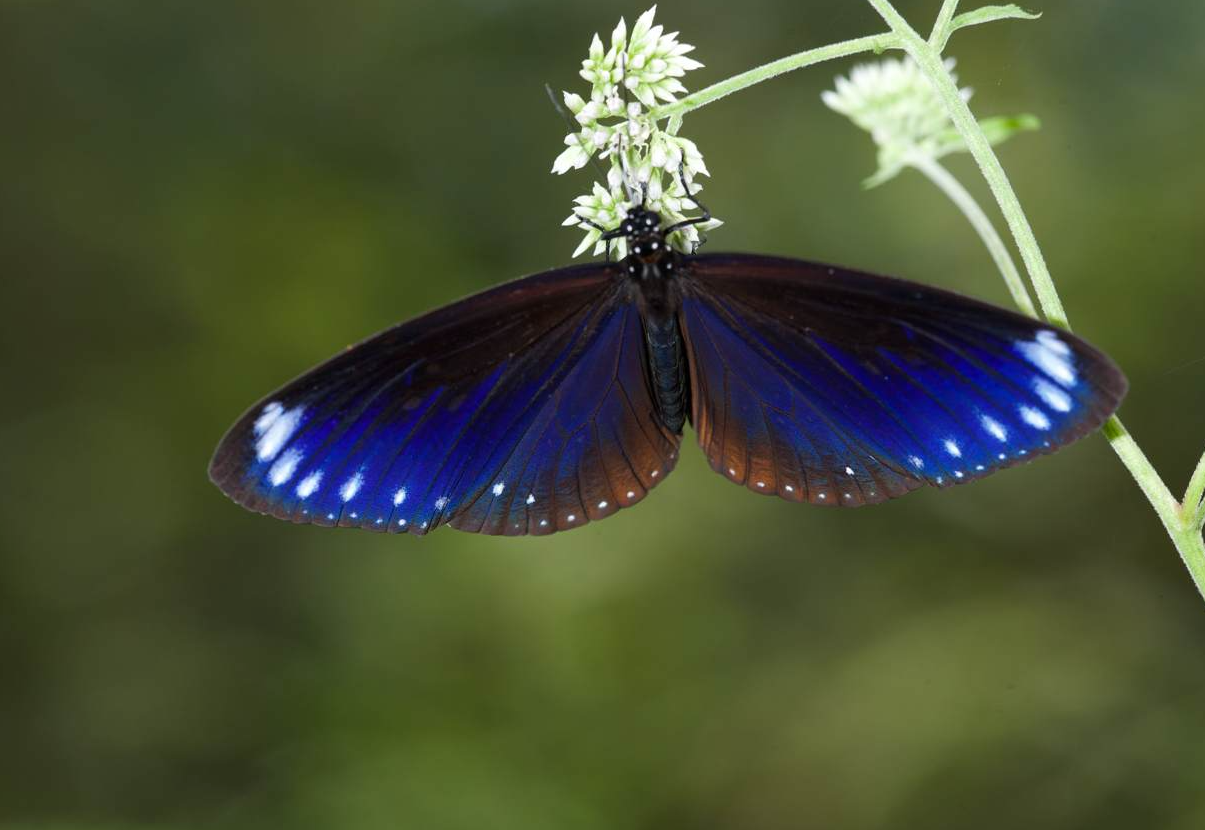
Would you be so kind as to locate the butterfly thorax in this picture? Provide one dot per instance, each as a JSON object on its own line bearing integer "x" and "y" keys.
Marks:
{"x": 652, "y": 265}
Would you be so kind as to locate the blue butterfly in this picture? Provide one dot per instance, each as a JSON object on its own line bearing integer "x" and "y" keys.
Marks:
{"x": 558, "y": 399}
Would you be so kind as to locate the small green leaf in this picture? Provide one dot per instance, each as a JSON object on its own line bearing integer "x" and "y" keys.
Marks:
{"x": 882, "y": 176}
{"x": 1003, "y": 127}
{"x": 997, "y": 130}
{"x": 987, "y": 14}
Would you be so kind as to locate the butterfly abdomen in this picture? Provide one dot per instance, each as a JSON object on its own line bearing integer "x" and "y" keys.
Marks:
{"x": 667, "y": 369}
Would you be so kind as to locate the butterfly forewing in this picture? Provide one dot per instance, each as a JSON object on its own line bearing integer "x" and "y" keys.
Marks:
{"x": 524, "y": 409}
{"x": 838, "y": 387}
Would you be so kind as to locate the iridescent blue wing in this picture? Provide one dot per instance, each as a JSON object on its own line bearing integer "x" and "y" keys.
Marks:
{"x": 837, "y": 387}
{"x": 524, "y": 409}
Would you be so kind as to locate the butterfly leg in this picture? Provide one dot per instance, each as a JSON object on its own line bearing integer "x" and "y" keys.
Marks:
{"x": 698, "y": 220}
{"x": 607, "y": 236}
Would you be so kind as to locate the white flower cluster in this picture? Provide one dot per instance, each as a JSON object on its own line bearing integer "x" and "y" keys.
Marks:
{"x": 896, "y": 104}
{"x": 647, "y": 163}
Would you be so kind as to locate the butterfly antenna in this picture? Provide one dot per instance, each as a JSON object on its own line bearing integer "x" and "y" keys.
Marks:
{"x": 573, "y": 129}
{"x": 623, "y": 156}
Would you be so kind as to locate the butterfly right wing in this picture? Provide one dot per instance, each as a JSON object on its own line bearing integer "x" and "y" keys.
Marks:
{"x": 523, "y": 409}
{"x": 843, "y": 388}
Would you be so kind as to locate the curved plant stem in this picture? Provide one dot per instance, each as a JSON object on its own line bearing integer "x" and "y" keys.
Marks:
{"x": 965, "y": 202}
{"x": 871, "y": 43}
{"x": 1179, "y": 520}
{"x": 931, "y": 64}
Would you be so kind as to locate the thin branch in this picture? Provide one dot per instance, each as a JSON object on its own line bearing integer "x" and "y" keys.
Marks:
{"x": 872, "y": 43}
{"x": 965, "y": 202}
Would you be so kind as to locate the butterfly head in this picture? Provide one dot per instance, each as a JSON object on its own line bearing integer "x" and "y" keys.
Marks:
{"x": 649, "y": 255}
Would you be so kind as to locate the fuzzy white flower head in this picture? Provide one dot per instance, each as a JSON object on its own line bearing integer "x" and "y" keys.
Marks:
{"x": 894, "y": 102}
{"x": 647, "y": 164}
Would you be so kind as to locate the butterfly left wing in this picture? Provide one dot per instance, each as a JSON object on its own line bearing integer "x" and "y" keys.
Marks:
{"x": 523, "y": 409}
{"x": 837, "y": 387}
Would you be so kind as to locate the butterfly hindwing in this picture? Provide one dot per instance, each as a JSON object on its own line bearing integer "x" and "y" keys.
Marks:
{"x": 523, "y": 409}
{"x": 838, "y": 387}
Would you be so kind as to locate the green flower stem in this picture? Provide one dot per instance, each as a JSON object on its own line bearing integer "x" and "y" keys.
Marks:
{"x": 965, "y": 202}
{"x": 871, "y": 43}
{"x": 930, "y": 63}
{"x": 1179, "y": 520}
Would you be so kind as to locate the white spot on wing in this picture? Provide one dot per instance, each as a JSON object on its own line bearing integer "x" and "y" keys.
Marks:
{"x": 571, "y": 517}
{"x": 499, "y": 487}
{"x": 1034, "y": 417}
{"x": 1050, "y": 339}
{"x": 531, "y": 498}
{"x": 952, "y": 448}
{"x": 1052, "y": 396}
{"x": 601, "y": 505}
{"x": 309, "y": 484}
{"x": 399, "y": 496}
{"x": 1050, "y": 354}
{"x": 284, "y": 467}
{"x": 441, "y": 502}
{"x": 631, "y": 494}
{"x": 849, "y": 471}
{"x": 350, "y": 487}
{"x": 278, "y": 430}
{"x": 916, "y": 461}
{"x": 269, "y": 414}
{"x": 994, "y": 428}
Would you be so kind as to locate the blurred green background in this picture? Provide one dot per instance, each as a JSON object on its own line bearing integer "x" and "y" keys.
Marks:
{"x": 201, "y": 199}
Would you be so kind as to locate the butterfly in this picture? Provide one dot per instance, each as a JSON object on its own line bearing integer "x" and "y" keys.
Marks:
{"x": 558, "y": 399}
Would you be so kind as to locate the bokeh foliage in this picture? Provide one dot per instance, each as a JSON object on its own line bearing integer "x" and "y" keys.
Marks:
{"x": 199, "y": 200}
